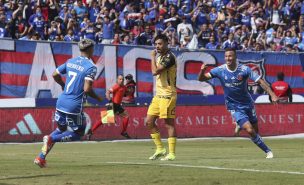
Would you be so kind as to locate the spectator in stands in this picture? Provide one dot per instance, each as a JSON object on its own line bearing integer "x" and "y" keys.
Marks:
{"x": 204, "y": 35}
{"x": 108, "y": 30}
{"x": 146, "y": 37}
{"x": 116, "y": 39}
{"x": 19, "y": 27}
{"x": 54, "y": 30}
{"x": 282, "y": 21}
{"x": 70, "y": 37}
{"x": 39, "y": 26}
{"x": 81, "y": 10}
{"x": 230, "y": 43}
{"x": 184, "y": 29}
{"x": 282, "y": 89}
{"x": 212, "y": 44}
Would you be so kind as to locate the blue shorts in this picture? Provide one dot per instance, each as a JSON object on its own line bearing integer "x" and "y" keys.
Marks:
{"x": 244, "y": 114}
{"x": 76, "y": 122}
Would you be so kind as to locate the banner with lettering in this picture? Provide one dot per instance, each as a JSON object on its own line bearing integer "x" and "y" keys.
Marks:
{"x": 26, "y": 68}
{"x": 31, "y": 124}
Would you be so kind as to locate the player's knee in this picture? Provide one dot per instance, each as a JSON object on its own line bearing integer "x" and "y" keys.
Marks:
{"x": 251, "y": 131}
{"x": 149, "y": 124}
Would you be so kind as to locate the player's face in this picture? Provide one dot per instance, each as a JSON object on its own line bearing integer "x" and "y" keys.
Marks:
{"x": 120, "y": 80}
{"x": 230, "y": 58}
{"x": 161, "y": 46}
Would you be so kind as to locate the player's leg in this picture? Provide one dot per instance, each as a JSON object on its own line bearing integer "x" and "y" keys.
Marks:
{"x": 251, "y": 112}
{"x": 152, "y": 115}
{"x": 125, "y": 122}
{"x": 256, "y": 138}
{"x": 47, "y": 139}
{"x": 98, "y": 123}
{"x": 167, "y": 112}
{"x": 123, "y": 114}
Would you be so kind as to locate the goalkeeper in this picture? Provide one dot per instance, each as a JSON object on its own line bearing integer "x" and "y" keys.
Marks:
{"x": 118, "y": 91}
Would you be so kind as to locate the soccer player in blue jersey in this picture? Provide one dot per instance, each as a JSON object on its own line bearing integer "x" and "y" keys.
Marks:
{"x": 233, "y": 77}
{"x": 80, "y": 73}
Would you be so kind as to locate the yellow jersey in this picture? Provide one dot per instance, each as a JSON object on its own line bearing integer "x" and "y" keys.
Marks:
{"x": 166, "y": 80}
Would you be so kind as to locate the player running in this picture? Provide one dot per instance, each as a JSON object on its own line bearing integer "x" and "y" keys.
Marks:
{"x": 80, "y": 73}
{"x": 118, "y": 91}
{"x": 233, "y": 77}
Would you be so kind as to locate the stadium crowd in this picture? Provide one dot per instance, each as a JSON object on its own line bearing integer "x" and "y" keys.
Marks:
{"x": 249, "y": 25}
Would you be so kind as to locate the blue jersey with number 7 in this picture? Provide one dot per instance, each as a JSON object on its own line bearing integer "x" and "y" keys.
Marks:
{"x": 77, "y": 70}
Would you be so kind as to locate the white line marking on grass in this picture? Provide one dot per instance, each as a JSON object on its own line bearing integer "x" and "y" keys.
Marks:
{"x": 290, "y": 136}
{"x": 210, "y": 167}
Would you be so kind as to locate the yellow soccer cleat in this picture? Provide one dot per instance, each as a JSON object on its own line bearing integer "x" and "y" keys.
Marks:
{"x": 168, "y": 157}
{"x": 158, "y": 153}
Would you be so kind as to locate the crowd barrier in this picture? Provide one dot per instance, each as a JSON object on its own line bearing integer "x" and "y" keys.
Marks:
{"x": 31, "y": 124}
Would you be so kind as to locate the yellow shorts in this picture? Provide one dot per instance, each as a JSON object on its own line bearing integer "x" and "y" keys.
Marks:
{"x": 163, "y": 107}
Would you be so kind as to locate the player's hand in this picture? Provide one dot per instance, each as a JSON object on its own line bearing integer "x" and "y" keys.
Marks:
{"x": 274, "y": 99}
{"x": 203, "y": 67}
{"x": 153, "y": 53}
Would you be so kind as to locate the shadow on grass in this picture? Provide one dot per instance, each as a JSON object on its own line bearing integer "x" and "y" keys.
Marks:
{"x": 28, "y": 177}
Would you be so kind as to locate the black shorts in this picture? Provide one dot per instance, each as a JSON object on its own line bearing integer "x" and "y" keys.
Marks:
{"x": 118, "y": 109}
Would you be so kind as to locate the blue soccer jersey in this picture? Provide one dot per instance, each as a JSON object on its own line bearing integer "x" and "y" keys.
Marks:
{"x": 235, "y": 84}
{"x": 77, "y": 70}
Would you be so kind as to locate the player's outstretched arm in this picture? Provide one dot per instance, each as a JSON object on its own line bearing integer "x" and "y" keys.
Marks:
{"x": 203, "y": 76}
{"x": 58, "y": 79}
{"x": 266, "y": 87}
{"x": 88, "y": 89}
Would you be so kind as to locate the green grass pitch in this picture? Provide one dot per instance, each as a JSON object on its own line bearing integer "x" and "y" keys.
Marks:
{"x": 210, "y": 162}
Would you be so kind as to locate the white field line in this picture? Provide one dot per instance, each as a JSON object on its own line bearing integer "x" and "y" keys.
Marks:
{"x": 290, "y": 136}
{"x": 210, "y": 167}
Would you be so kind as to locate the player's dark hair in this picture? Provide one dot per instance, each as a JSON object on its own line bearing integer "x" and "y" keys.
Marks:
{"x": 280, "y": 76}
{"x": 230, "y": 49}
{"x": 162, "y": 37}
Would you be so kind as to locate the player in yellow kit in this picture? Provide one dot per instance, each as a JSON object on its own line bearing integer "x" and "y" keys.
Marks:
{"x": 163, "y": 67}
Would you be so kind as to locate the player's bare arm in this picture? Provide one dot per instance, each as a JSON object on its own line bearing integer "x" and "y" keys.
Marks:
{"x": 108, "y": 93}
{"x": 155, "y": 70}
{"x": 267, "y": 88}
{"x": 203, "y": 76}
{"x": 58, "y": 79}
{"x": 88, "y": 89}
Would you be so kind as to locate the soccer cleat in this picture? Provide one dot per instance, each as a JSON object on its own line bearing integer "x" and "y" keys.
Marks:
{"x": 126, "y": 135}
{"x": 40, "y": 162}
{"x": 158, "y": 153}
{"x": 47, "y": 145}
{"x": 89, "y": 134}
{"x": 237, "y": 130}
{"x": 168, "y": 157}
{"x": 269, "y": 155}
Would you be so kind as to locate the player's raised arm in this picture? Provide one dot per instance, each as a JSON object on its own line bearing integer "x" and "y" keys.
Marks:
{"x": 203, "y": 76}
{"x": 154, "y": 69}
{"x": 266, "y": 87}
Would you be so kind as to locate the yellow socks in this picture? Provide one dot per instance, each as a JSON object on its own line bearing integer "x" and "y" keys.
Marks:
{"x": 172, "y": 143}
{"x": 157, "y": 141}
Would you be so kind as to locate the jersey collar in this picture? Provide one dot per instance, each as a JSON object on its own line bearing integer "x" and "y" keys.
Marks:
{"x": 237, "y": 65}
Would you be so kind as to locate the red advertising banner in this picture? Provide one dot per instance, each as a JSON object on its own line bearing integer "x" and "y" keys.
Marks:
{"x": 31, "y": 124}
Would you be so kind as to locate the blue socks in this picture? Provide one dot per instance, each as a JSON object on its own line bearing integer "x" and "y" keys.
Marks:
{"x": 260, "y": 143}
{"x": 59, "y": 136}
{"x": 65, "y": 136}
